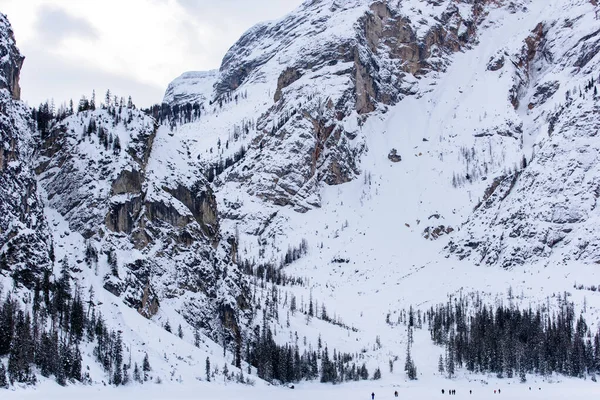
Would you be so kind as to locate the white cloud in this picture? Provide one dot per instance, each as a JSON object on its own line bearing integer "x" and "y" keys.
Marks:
{"x": 54, "y": 24}
{"x": 131, "y": 46}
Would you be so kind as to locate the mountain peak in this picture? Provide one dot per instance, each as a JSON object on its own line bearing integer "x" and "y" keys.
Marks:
{"x": 11, "y": 60}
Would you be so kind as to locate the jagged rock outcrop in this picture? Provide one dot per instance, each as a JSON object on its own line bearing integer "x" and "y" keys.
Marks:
{"x": 25, "y": 248}
{"x": 532, "y": 52}
{"x": 11, "y": 60}
{"x": 287, "y": 77}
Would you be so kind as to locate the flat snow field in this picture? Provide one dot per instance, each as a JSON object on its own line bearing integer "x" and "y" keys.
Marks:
{"x": 567, "y": 389}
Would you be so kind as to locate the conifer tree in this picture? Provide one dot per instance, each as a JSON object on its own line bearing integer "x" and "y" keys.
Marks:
{"x": 3, "y": 379}
{"x": 118, "y": 360}
{"x": 146, "y": 367}
{"x": 377, "y": 374}
{"x": 207, "y": 369}
{"x": 136, "y": 373}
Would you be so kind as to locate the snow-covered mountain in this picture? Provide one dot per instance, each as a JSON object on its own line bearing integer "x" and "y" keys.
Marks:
{"x": 362, "y": 156}
{"x": 309, "y": 82}
{"x": 24, "y": 248}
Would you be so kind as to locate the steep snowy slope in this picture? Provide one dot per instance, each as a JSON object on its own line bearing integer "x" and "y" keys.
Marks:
{"x": 24, "y": 248}
{"x": 546, "y": 206}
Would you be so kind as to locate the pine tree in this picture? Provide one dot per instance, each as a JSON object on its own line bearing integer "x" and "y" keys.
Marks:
{"x": 136, "y": 373}
{"x": 377, "y": 374}
{"x": 441, "y": 365}
{"x": 450, "y": 358}
{"x": 225, "y": 372}
{"x": 180, "y": 332}
{"x": 207, "y": 369}
{"x": 146, "y": 367}
{"x": 293, "y": 305}
{"x": 21, "y": 351}
{"x": 168, "y": 326}
{"x": 409, "y": 366}
{"x": 3, "y": 380}
{"x": 118, "y": 359}
{"x": 364, "y": 373}
{"x": 75, "y": 372}
{"x": 412, "y": 373}
{"x": 7, "y": 325}
{"x": 125, "y": 374}
{"x": 116, "y": 146}
{"x": 93, "y": 101}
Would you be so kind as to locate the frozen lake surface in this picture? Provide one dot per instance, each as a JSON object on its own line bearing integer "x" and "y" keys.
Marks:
{"x": 578, "y": 389}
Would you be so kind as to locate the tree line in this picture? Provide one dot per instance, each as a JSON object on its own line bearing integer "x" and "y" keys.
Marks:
{"x": 509, "y": 341}
{"x": 285, "y": 363}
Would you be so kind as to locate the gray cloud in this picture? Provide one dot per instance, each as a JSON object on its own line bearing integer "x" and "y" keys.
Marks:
{"x": 205, "y": 34}
{"x": 243, "y": 12}
{"x": 228, "y": 19}
{"x": 55, "y": 24}
{"x": 46, "y": 76}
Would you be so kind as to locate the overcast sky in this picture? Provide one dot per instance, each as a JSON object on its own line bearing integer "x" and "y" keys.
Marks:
{"x": 133, "y": 47}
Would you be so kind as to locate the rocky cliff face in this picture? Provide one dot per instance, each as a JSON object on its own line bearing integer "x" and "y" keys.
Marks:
{"x": 98, "y": 170}
{"x": 372, "y": 58}
{"x": 317, "y": 75}
{"x": 546, "y": 206}
{"x": 301, "y": 88}
{"x": 24, "y": 248}
{"x": 11, "y": 60}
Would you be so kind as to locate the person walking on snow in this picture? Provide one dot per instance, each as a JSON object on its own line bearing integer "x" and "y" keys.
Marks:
{"x": 373, "y": 396}
{"x": 396, "y": 393}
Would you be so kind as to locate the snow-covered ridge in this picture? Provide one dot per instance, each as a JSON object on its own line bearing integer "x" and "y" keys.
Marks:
{"x": 191, "y": 87}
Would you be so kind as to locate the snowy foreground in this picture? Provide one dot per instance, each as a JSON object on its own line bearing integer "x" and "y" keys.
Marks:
{"x": 568, "y": 388}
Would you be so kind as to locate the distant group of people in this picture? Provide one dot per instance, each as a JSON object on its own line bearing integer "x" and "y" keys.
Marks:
{"x": 373, "y": 395}
{"x": 453, "y": 391}
{"x": 450, "y": 392}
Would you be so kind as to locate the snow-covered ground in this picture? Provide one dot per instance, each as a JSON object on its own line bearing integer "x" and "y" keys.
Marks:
{"x": 383, "y": 390}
